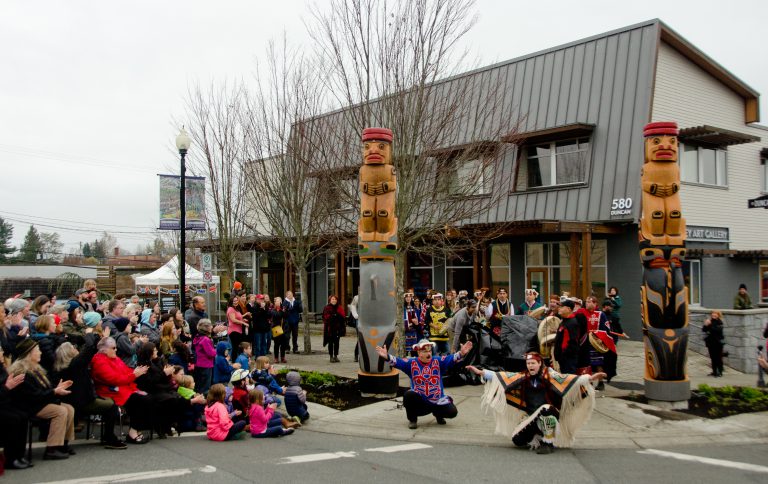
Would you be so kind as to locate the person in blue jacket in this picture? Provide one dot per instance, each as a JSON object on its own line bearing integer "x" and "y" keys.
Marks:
{"x": 222, "y": 369}
{"x": 426, "y": 373}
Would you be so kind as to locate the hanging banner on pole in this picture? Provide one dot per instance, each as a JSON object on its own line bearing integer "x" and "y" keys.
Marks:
{"x": 170, "y": 214}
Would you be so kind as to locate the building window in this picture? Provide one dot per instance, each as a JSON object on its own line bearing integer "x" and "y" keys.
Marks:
{"x": 764, "y": 174}
{"x": 707, "y": 166}
{"x": 467, "y": 178}
{"x": 764, "y": 282}
{"x": 692, "y": 276}
{"x": 458, "y": 272}
{"x": 330, "y": 259}
{"x": 554, "y": 260}
{"x": 557, "y": 163}
{"x": 500, "y": 267}
{"x": 421, "y": 273}
{"x": 353, "y": 275}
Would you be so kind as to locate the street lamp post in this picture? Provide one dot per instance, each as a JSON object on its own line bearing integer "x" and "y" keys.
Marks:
{"x": 182, "y": 143}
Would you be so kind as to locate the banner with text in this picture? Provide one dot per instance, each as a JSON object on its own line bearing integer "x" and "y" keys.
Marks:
{"x": 194, "y": 192}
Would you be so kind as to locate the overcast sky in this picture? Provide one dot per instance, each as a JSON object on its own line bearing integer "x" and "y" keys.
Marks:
{"x": 89, "y": 89}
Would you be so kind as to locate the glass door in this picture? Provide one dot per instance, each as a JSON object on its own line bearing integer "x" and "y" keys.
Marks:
{"x": 537, "y": 278}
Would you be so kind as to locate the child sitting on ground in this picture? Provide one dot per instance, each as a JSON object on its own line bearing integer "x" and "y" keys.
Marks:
{"x": 222, "y": 369}
{"x": 241, "y": 400}
{"x": 244, "y": 358}
{"x": 192, "y": 418}
{"x": 220, "y": 425}
{"x": 264, "y": 422}
{"x": 295, "y": 397}
{"x": 264, "y": 375}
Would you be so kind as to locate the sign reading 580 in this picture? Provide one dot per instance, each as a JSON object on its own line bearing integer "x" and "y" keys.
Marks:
{"x": 621, "y": 206}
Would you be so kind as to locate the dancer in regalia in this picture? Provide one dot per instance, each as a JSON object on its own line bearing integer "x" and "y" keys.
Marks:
{"x": 426, "y": 373}
{"x": 538, "y": 408}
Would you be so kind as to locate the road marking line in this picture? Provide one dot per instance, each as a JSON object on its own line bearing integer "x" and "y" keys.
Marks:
{"x": 706, "y": 460}
{"x": 133, "y": 476}
{"x": 300, "y": 459}
{"x": 399, "y": 448}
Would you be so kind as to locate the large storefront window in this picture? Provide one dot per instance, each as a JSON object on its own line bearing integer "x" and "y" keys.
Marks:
{"x": 458, "y": 272}
{"x": 500, "y": 267}
{"x": 330, "y": 259}
{"x": 353, "y": 276}
{"x": 692, "y": 277}
{"x": 245, "y": 270}
{"x": 421, "y": 272}
{"x": 272, "y": 273}
{"x": 548, "y": 267}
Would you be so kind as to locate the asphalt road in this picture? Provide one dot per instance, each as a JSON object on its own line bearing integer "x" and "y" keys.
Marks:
{"x": 314, "y": 457}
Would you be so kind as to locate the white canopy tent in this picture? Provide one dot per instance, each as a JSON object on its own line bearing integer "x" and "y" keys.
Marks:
{"x": 168, "y": 276}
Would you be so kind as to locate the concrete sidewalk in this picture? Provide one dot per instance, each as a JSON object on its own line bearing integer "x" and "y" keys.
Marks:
{"x": 616, "y": 423}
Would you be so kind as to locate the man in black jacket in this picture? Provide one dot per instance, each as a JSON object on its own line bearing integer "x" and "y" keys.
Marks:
{"x": 566, "y": 349}
{"x": 195, "y": 313}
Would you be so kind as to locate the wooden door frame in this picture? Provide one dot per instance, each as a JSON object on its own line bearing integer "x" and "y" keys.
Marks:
{"x": 545, "y": 291}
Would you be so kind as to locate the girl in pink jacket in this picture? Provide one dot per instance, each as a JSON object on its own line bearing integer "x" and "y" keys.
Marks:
{"x": 219, "y": 420}
{"x": 264, "y": 422}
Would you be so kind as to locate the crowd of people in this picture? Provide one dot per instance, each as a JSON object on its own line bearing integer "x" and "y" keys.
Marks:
{"x": 62, "y": 362}
{"x": 121, "y": 361}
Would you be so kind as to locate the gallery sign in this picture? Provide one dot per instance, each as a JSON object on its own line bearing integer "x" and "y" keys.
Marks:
{"x": 695, "y": 233}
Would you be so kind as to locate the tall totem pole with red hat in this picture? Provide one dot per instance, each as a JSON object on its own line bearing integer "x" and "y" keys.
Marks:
{"x": 663, "y": 295}
{"x": 377, "y": 245}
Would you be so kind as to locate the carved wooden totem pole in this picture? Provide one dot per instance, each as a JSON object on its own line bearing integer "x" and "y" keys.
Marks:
{"x": 663, "y": 295}
{"x": 377, "y": 244}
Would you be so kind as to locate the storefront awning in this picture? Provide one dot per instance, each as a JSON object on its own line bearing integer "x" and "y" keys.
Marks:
{"x": 736, "y": 254}
{"x": 715, "y": 136}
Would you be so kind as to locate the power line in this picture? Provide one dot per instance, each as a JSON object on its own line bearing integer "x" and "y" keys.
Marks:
{"x": 127, "y": 234}
{"x": 74, "y": 221}
{"x": 68, "y": 158}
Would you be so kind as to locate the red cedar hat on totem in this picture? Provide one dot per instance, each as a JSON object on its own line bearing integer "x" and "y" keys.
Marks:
{"x": 377, "y": 134}
{"x": 664, "y": 128}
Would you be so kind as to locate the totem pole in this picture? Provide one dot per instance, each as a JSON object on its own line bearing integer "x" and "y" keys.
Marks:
{"x": 377, "y": 245}
{"x": 663, "y": 295}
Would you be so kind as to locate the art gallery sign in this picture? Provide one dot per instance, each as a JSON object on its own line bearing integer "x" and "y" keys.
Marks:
{"x": 695, "y": 233}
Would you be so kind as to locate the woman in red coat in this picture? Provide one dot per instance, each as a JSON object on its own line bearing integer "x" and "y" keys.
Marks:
{"x": 333, "y": 327}
{"x": 114, "y": 379}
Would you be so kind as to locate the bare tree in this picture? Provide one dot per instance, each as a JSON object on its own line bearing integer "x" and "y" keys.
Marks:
{"x": 396, "y": 65}
{"x": 286, "y": 171}
{"x": 214, "y": 119}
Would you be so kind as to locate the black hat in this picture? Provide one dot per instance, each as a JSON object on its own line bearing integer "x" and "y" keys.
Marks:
{"x": 607, "y": 302}
{"x": 569, "y": 303}
{"x": 743, "y": 286}
{"x": 23, "y": 348}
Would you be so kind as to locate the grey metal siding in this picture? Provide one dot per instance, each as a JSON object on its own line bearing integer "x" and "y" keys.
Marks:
{"x": 720, "y": 279}
{"x": 604, "y": 81}
{"x": 626, "y": 272}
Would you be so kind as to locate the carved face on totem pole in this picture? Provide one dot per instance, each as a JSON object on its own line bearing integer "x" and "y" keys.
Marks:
{"x": 377, "y": 152}
{"x": 661, "y": 147}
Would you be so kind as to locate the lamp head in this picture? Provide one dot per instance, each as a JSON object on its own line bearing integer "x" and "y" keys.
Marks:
{"x": 183, "y": 141}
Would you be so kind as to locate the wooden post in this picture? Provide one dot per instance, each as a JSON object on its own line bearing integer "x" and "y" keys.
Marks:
{"x": 486, "y": 270}
{"x": 586, "y": 264}
{"x": 575, "y": 264}
{"x": 477, "y": 268}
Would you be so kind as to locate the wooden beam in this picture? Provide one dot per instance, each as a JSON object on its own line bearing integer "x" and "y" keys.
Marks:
{"x": 586, "y": 264}
{"x": 574, "y": 264}
{"x": 486, "y": 279}
{"x": 477, "y": 268}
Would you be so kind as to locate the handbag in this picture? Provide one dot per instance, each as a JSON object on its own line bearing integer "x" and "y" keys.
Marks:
{"x": 277, "y": 331}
